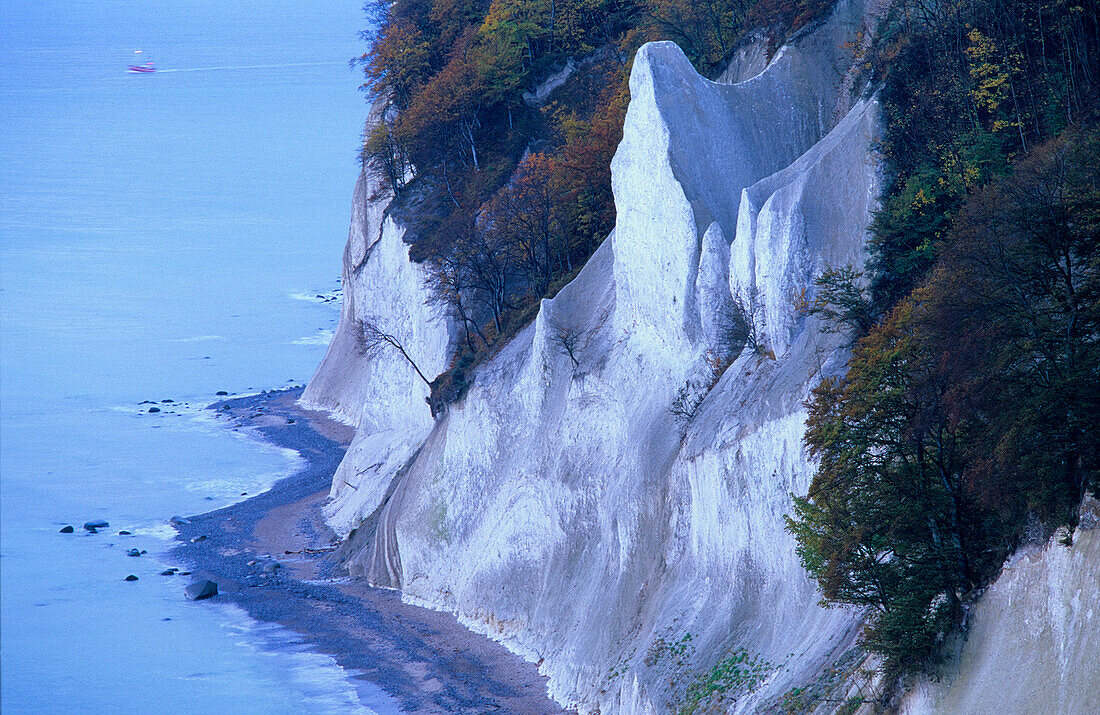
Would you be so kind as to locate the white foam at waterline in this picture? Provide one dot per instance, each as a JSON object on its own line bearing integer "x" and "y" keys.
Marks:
{"x": 322, "y": 682}
{"x": 323, "y": 337}
{"x": 225, "y": 491}
{"x": 325, "y": 298}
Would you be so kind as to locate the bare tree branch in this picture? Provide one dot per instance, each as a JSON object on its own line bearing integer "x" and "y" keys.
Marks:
{"x": 568, "y": 339}
{"x": 371, "y": 340}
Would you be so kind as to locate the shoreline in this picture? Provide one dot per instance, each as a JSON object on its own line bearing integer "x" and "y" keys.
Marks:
{"x": 424, "y": 659}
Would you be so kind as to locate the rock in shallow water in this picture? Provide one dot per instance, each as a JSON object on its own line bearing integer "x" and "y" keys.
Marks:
{"x": 133, "y": 552}
{"x": 95, "y": 524}
{"x": 131, "y": 577}
{"x": 200, "y": 590}
{"x": 67, "y": 530}
{"x": 178, "y": 520}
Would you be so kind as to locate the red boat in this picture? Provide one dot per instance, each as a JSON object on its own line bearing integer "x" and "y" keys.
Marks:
{"x": 147, "y": 67}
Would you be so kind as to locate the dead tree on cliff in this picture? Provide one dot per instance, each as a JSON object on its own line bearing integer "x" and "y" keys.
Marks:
{"x": 371, "y": 341}
{"x": 568, "y": 339}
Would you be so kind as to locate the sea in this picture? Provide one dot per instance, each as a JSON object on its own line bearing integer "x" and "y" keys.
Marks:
{"x": 163, "y": 237}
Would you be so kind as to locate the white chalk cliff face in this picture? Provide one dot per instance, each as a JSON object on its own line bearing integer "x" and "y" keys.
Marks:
{"x": 561, "y": 507}
{"x": 380, "y": 394}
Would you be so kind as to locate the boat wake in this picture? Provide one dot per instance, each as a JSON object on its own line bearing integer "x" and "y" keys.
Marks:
{"x": 252, "y": 67}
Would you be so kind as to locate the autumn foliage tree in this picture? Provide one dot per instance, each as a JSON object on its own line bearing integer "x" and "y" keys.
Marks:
{"x": 527, "y": 216}
{"x": 883, "y": 525}
{"x": 967, "y": 415}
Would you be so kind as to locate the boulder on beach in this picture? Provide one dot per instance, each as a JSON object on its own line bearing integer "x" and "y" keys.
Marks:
{"x": 95, "y": 524}
{"x": 272, "y": 566}
{"x": 198, "y": 538}
{"x": 131, "y": 577}
{"x": 178, "y": 521}
{"x": 67, "y": 530}
{"x": 200, "y": 590}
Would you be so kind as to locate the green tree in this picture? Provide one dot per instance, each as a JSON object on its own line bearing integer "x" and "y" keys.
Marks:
{"x": 882, "y": 526}
{"x": 1017, "y": 299}
{"x": 965, "y": 415}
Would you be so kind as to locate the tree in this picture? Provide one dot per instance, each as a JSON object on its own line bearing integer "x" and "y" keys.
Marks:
{"x": 569, "y": 340}
{"x": 371, "y": 339}
{"x": 742, "y": 326}
{"x": 526, "y": 216}
{"x": 1018, "y": 292}
{"x": 841, "y": 302}
{"x": 883, "y": 524}
{"x": 705, "y": 30}
{"x": 969, "y": 412}
{"x": 488, "y": 265}
{"x": 385, "y": 154}
{"x": 397, "y": 62}
{"x": 969, "y": 86}
{"x": 445, "y": 113}
{"x": 451, "y": 281}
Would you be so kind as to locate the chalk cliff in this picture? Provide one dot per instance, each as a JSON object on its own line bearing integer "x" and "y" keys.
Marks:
{"x": 565, "y": 509}
{"x": 380, "y": 393}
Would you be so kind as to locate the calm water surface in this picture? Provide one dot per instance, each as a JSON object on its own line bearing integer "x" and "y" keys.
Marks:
{"x": 162, "y": 236}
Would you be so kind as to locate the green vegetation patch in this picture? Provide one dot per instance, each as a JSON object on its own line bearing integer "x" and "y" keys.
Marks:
{"x": 730, "y": 678}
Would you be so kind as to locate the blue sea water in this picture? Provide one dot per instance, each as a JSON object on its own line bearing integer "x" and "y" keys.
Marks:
{"x": 161, "y": 237}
